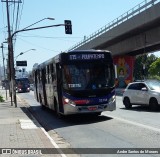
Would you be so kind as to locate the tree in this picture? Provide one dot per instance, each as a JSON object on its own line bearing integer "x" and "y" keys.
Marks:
{"x": 138, "y": 67}
{"x": 155, "y": 68}
{"x": 142, "y": 65}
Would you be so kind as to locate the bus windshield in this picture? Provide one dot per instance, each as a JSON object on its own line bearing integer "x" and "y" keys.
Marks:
{"x": 88, "y": 76}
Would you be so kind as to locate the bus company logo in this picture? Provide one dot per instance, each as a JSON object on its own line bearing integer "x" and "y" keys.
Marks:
{"x": 6, "y": 151}
{"x": 87, "y": 101}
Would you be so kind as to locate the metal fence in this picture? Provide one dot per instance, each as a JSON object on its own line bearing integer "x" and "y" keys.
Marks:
{"x": 124, "y": 17}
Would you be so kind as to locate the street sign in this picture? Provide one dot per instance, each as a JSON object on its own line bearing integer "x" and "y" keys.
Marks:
{"x": 21, "y": 63}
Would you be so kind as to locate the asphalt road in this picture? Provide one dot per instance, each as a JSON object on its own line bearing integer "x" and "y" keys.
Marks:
{"x": 135, "y": 128}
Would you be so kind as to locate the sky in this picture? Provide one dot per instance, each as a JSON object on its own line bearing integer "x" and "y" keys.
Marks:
{"x": 87, "y": 16}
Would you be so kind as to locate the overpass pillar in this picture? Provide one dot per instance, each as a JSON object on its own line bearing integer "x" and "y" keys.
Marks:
{"x": 125, "y": 66}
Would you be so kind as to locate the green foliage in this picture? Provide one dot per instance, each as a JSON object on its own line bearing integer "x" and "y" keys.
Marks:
{"x": 155, "y": 77}
{"x": 154, "y": 69}
{"x": 140, "y": 61}
{"x": 1, "y": 99}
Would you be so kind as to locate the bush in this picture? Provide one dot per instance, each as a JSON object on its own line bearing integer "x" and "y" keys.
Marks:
{"x": 155, "y": 77}
{"x": 1, "y": 99}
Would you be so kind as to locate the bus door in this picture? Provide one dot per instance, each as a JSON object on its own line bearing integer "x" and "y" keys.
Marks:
{"x": 43, "y": 87}
{"x": 59, "y": 87}
{"x": 36, "y": 82}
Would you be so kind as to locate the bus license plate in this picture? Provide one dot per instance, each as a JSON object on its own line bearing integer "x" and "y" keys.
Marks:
{"x": 92, "y": 108}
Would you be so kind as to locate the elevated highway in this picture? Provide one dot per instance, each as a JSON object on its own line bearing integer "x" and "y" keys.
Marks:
{"x": 135, "y": 32}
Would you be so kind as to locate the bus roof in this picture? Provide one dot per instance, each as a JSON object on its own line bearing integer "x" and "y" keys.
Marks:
{"x": 88, "y": 51}
{"x": 57, "y": 58}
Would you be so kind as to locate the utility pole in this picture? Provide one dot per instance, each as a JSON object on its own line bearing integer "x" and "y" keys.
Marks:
{"x": 4, "y": 69}
{"x": 11, "y": 57}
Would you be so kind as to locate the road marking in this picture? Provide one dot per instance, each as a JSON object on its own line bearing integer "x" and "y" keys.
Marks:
{"x": 18, "y": 98}
{"x": 53, "y": 142}
{"x": 135, "y": 123}
{"x": 27, "y": 124}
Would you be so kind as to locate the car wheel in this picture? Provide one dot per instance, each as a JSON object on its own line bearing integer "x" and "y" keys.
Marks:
{"x": 127, "y": 103}
{"x": 153, "y": 104}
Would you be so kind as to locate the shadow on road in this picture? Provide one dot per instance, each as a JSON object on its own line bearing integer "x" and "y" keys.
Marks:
{"x": 49, "y": 120}
{"x": 141, "y": 109}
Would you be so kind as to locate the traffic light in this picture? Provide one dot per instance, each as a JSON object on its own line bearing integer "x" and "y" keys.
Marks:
{"x": 68, "y": 26}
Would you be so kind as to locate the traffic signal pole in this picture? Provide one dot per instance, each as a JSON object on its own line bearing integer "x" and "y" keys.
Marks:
{"x": 67, "y": 25}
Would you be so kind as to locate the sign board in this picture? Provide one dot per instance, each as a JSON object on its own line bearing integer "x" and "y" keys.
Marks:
{"x": 21, "y": 63}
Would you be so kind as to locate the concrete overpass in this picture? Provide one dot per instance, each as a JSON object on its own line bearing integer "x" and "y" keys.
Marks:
{"x": 135, "y": 32}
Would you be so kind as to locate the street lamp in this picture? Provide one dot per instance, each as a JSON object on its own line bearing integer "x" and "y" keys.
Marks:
{"x": 47, "y": 18}
{"x": 11, "y": 57}
{"x": 23, "y": 53}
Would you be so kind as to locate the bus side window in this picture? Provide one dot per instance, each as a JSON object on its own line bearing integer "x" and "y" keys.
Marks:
{"x": 48, "y": 73}
{"x": 39, "y": 76}
{"x": 52, "y": 73}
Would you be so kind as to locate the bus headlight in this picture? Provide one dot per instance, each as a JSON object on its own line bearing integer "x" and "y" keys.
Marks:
{"x": 67, "y": 101}
{"x": 112, "y": 99}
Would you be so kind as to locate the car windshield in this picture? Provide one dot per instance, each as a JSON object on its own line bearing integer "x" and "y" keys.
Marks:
{"x": 88, "y": 76}
{"x": 153, "y": 85}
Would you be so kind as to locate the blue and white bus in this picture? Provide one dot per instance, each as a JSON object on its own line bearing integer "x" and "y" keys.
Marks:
{"x": 76, "y": 82}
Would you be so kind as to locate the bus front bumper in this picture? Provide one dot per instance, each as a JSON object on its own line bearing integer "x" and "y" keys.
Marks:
{"x": 82, "y": 109}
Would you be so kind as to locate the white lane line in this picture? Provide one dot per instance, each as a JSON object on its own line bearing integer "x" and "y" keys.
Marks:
{"x": 18, "y": 98}
{"x": 53, "y": 142}
{"x": 134, "y": 123}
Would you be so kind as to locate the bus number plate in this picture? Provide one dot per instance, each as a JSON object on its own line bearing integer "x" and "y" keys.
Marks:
{"x": 92, "y": 108}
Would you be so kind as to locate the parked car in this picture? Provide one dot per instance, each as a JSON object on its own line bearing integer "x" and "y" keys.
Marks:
{"x": 142, "y": 93}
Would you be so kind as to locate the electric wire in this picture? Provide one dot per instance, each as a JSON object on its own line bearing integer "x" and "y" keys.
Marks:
{"x": 13, "y": 15}
{"x": 36, "y": 45}
{"x": 18, "y": 19}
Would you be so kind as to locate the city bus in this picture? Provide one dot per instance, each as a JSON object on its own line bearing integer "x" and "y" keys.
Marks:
{"x": 76, "y": 82}
{"x": 22, "y": 85}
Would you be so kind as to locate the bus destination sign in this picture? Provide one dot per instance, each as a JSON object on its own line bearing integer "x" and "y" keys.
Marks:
{"x": 86, "y": 56}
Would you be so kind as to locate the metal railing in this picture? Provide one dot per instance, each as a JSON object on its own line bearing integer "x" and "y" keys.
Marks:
{"x": 124, "y": 17}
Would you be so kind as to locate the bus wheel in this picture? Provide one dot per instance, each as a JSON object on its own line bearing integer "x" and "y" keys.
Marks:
{"x": 57, "y": 110}
{"x": 97, "y": 113}
{"x": 40, "y": 100}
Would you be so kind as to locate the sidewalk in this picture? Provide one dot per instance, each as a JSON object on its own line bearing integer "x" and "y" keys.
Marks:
{"x": 18, "y": 129}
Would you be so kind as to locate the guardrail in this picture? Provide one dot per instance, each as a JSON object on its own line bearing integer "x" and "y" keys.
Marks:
{"x": 124, "y": 17}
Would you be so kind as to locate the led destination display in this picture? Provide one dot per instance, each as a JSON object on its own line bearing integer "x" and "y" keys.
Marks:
{"x": 86, "y": 56}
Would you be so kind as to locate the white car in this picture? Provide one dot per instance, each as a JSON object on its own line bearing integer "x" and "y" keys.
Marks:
{"x": 142, "y": 93}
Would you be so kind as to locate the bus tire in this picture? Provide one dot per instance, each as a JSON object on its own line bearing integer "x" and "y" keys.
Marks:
{"x": 97, "y": 113}
{"x": 56, "y": 109}
{"x": 40, "y": 100}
